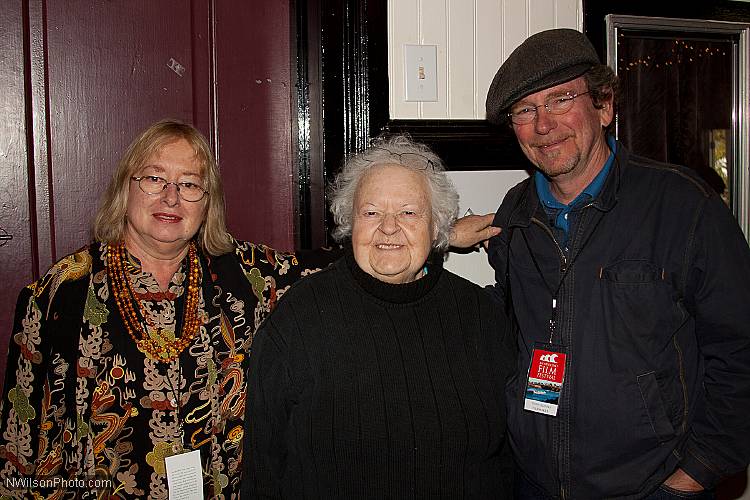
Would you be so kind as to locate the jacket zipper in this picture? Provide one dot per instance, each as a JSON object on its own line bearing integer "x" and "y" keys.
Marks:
{"x": 563, "y": 258}
{"x": 563, "y": 269}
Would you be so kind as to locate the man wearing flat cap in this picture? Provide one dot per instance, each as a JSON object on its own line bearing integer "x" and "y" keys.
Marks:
{"x": 630, "y": 284}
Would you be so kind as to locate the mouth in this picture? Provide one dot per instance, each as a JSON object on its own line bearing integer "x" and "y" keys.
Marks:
{"x": 168, "y": 218}
{"x": 388, "y": 246}
{"x": 551, "y": 145}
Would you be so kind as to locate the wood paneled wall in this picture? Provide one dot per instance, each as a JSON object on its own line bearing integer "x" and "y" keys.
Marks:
{"x": 473, "y": 38}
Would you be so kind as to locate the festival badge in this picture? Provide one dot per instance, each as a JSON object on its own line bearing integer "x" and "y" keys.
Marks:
{"x": 544, "y": 382}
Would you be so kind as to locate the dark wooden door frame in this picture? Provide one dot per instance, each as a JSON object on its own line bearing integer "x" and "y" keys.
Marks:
{"x": 594, "y": 12}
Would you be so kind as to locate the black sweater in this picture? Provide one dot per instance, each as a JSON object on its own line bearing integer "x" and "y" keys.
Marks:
{"x": 364, "y": 389}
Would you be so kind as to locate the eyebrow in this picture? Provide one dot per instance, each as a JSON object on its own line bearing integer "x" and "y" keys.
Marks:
{"x": 561, "y": 93}
{"x": 410, "y": 204}
{"x": 158, "y": 169}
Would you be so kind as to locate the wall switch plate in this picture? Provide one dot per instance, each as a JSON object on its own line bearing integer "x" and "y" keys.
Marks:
{"x": 420, "y": 72}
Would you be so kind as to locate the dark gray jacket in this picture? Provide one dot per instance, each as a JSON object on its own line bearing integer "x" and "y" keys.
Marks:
{"x": 654, "y": 313}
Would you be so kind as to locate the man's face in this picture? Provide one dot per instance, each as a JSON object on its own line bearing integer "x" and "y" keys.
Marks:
{"x": 565, "y": 145}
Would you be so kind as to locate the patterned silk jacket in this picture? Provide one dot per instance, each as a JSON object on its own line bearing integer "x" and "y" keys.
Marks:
{"x": 81, "y": 401}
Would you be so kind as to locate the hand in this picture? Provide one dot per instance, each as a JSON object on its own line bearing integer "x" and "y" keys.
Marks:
{"x": 680, "y": 481}
{"x": 473, "y": 229}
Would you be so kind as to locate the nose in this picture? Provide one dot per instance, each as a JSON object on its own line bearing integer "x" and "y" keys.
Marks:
{"x": 170, "y": 194}
{"x": 544, "y": 121}
{"x": 389, "y": 225}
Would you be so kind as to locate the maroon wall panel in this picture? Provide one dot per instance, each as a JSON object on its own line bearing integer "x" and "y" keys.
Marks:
{"x": 80, "y": 79}
{"x": 253, "y": 119}
{"x": 109, "y": 76}
{"x": 16, "y": 263}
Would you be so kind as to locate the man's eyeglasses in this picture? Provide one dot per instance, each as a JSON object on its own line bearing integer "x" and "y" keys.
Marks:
{"x": 415, "y": 160}
{"x": 153, "y": 184}
{"x": 558, "y": 105}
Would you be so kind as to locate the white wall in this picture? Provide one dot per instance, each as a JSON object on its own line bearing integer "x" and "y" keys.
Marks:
{"x": 482, "y": 192}
{"x": 473, "y": 37}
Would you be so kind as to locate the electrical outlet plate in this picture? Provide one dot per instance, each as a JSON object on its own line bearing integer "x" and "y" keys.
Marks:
{"x": 420, "y": 73}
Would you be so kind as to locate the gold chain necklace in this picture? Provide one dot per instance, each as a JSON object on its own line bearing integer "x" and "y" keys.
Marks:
{"x": 156, "y": 345}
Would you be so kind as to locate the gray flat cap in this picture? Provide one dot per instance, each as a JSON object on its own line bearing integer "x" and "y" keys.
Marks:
{"x": 544, "y": 60}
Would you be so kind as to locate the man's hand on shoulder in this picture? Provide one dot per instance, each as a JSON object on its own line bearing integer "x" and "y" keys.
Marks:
{"x": 471, "y": 230}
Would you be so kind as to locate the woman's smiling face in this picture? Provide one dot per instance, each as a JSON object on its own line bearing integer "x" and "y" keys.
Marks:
{"x": 163, "y": 223}
{"x": 392, "y": 231}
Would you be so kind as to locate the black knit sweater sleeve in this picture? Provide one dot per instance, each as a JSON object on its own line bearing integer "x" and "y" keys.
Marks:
{"x": 270, "y": 386}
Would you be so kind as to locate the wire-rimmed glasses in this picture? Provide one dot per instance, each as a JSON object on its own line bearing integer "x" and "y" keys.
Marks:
{"x": 521, "y": 114}
{"x": 415, "y": 160}
{"x": 153, "y": 184}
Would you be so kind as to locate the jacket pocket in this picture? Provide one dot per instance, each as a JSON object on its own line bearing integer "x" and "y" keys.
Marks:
{"x": 642, "y": 314}
{"x": 640, "y": 306}
{"x": 632, "y": 272}
{"x": 657, "y": 407}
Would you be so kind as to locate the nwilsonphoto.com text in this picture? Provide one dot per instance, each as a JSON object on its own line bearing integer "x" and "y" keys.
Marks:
{"x": 56, "y": 483}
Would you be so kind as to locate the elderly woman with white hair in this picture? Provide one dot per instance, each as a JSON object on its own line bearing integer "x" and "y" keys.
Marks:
{"x": 383, "y": 375}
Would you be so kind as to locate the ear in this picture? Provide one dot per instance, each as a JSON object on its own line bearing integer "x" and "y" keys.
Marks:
{"x": 606, "y": 112}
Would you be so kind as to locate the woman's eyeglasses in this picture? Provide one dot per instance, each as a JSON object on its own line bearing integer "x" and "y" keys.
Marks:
{"x": 153, "y": 184}
{"x": 415, "y": 160}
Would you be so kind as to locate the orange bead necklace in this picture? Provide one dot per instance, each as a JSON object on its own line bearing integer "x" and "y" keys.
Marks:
{"x": 156, "y": 345}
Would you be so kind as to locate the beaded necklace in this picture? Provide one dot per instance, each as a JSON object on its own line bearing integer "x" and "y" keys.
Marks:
{"x": 154, "y": 343}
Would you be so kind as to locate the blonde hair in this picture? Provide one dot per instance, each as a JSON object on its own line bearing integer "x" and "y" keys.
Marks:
{"x": 110, "y": 221}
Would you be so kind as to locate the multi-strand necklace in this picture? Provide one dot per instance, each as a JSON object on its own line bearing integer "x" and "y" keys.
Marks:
{"x": 156, "y": 344}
